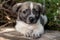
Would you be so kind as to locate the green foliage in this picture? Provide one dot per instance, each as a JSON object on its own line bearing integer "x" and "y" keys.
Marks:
{"x": 52, "y": 6}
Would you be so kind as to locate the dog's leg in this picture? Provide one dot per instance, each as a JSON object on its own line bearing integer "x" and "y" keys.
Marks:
{"x": 38, "y": 31}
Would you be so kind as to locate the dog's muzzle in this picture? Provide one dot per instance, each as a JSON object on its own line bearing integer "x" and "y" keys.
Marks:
{"x": 32, "y": 20}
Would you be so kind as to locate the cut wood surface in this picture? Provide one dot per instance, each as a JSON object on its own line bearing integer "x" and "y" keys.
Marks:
{"x": 11, "y": 34}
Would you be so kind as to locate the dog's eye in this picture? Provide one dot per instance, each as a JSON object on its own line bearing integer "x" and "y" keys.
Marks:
{"x": 34, "y": 10}
{"x": 25, "y": 11}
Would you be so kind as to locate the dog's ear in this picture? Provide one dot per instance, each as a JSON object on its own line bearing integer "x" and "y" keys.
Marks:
{"x": 16, "y": 7}
{"x": 41, "y": 8}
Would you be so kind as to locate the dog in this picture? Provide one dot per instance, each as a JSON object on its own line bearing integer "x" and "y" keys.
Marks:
{"x": 31, "y": 18}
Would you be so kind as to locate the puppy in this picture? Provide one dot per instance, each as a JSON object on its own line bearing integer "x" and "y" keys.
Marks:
{"x": 30, "y": 19}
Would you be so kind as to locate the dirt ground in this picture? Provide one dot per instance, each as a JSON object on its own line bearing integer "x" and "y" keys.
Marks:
{"x": 11, "y": 34}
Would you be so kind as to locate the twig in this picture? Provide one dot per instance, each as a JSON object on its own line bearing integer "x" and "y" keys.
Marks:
{"x": 9, "y": 11}
{"x": 7, "y": 23}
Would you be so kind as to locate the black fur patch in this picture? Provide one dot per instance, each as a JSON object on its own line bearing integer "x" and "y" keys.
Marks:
{"x": 41, "y": 20}
{"x": 18, "y": 8}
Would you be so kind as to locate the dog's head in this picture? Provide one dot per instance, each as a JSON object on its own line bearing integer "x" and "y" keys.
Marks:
{"x": 28, "y": 12}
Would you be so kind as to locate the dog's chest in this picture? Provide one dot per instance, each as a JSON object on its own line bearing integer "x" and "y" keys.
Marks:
{"x": 21, "y": 26}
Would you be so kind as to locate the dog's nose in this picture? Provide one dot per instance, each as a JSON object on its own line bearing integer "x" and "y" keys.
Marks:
{"x": 31, "y": 19}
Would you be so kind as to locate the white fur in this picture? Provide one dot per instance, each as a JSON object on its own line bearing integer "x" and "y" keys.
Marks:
{"x": 31, "y": 5}
{"x": 26, "y": 29}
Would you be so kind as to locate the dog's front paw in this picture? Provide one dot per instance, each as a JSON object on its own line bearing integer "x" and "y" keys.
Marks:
{"x": 28, "y": 33}
{"x": 36, "y": 35}
{"x": 32, "y": 34}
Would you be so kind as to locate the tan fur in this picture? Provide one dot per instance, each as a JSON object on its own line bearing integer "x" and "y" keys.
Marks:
{"x": 26, "y": 5}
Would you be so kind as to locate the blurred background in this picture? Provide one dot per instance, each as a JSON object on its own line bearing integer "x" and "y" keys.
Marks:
{"x": 52, "y": 11}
